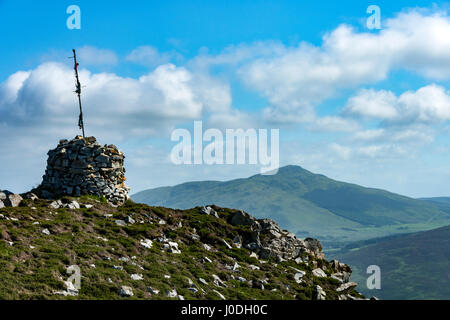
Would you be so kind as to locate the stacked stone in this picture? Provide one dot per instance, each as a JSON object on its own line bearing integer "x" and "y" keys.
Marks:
{"x": 83, "y": 167}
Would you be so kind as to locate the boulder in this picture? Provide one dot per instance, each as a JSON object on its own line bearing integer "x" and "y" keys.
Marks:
{"x": 126, "y": 291}
{"x": 318, "y": 272}
{"x": 242, "y": 218}
{"x": 10, "y": 199}
{"x": 137, "y": 277}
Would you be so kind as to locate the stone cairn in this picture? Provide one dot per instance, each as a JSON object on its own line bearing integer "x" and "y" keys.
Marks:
{"x": 83, "y": 167}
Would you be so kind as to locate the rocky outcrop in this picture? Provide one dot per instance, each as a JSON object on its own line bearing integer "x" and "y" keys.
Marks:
{"x": 9, "y": 199}
{"x": 83, "y": 167}
{"x": 222, "y": 253}
{"x": 268, "y": 240}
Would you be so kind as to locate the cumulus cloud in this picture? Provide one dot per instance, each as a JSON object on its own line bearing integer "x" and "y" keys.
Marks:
{"x": 38, "y": 108}
{"x": 296, "y": 79}
{"x": 334, "y": 123}
{"x": 94, "y": 56}
{"x": 150, "y": 56}
{"x": 163, "y": 97}
{"x": 429, "y": 104}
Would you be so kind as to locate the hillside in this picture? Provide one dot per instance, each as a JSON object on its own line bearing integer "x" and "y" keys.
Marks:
{"x": 438, "y": 199}
{"x": 136, "y": 251}
{"x": 310, "y": 204}
{"x": 413, "y": 266}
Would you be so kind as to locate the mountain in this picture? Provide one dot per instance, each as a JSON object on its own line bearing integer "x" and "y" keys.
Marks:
{"x": 413, "y": 266}
{"x": 136, "y": 251}
{"x": 438, "y": 199}
{"x": 310, "y": 204}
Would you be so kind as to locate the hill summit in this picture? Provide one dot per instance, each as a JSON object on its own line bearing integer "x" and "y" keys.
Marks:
{"x": 138, "y": 251}
{"x": 310, "y": 204}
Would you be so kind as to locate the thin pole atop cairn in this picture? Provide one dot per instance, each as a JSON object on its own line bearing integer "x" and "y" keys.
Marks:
{"x": 78, "y": 92}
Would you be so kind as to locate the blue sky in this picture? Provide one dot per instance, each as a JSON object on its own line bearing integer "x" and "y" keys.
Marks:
{"x": 365, "y": 106}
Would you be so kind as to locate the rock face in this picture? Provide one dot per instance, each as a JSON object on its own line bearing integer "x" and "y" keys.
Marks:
{"x": 83, "y": 167}
{"x": 268, "y": 240}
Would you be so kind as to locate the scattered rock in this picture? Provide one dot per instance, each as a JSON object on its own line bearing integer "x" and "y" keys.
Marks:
{"x": 298, "y": 276}
{"x": 259, "y": 284}
{"x": 193, "y": 289}
{"x": 46, "y": 231}
{"x": 346, "y": 286}
{"x": 319, "y": 273}
{"x": 206, "y": 259}
{"x": 152, "y": 291}
{"x": 320, "y": 293}
{"x": 130, "y": 220}
{"x": 146, "y": 243}
{"x": 73, "y": 205}
{"x": 70, "y": 290}
{"x": 126, "y": 291}
{"x": 173, "y": 247}
{"x": 220, "y": 295}
{"x": 218, "y": 282}
{"x": 137, "y": 277}
{"x": 227, "y": 244}
{"x": 171, "y": 293}
{"x": 209, "y": 211}
{"x": 9, "y": 199}
{"x": 121, "y": 223}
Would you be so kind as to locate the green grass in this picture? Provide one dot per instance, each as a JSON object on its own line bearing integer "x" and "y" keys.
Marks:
{"x": 35, "y": 265}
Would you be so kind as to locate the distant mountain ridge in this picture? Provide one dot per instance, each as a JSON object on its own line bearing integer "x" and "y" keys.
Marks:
{"x": 437, "y": 199}
{"x": 309, "y": 204}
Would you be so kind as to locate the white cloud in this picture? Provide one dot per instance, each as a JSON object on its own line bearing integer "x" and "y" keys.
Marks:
{"x": 150, "y": 56}
{"x": 93, "y": 56}
{"x": 161, "y": 98}
{"x": 296, "y": 79}
{"x": 372, "y": 104}
{"x": 342, "y": 151}
{"x": 429, "y": 104}
{"x": 333, "y": 123}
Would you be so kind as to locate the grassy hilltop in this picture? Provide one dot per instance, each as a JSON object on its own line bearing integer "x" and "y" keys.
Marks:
{"x": 133, "y": 246}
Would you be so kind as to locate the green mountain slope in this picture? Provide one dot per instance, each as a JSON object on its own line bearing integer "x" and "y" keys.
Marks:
{"x": 438, "y": 199}
{"x": 413, "y": 266}
{"x": 310, "y": 204}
